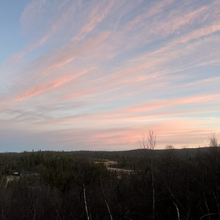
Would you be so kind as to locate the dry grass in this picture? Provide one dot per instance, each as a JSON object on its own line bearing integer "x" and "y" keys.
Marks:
{"x": 109, "y": 163}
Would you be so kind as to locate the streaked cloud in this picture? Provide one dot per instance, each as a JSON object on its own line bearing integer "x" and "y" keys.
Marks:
{"x": 99, "y": 74}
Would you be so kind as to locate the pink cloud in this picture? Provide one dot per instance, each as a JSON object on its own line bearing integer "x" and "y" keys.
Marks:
{"x": 46, "y": 86}
{"x": 113, "y": 118}
{"x": 205, "y": 82}
{"x": 40, "y": 42}
{"x": 174, "y": 51}
{"x": 131, "y": 75}
{"x": 195, "y": 100}
{"x": 137, "y": 83}
{"x": 14, "y": 59}
{"x": 201, "y": 32}
{"x": 157, "y": 8}
{"x": 76, "y": 94}
{"x": 46, "y": 75}
{"x": 144, "y": 30}
{"x": 179, "y": 133}
{"x": 195, "y": 34}
{"x": 50, "y": 62}
{"x": 54, "y": 25}
{"x": 62, "y": 4}
{"x": 97, "y": 15}
{"x": 32, "y": 13}
{"x": 68, "y": 53}
{"x": 179, "y": 22}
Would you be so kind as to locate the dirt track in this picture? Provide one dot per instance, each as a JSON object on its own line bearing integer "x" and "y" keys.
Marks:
{"x": 108, "y": 164}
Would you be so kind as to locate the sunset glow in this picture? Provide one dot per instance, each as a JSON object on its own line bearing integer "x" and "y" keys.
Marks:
{"x": 99, "y": 74}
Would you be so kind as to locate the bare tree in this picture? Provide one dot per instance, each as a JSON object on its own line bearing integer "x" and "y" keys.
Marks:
{"x": 169, "y": 147}
{"x": 213, "y": 142}
{"x": 150, "y": 144}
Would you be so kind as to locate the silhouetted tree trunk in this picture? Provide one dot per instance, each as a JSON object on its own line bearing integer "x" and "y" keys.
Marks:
{"x": 217, "y": 204}
{"x": 109, "y": 211}
{"x": 175, "y": 204}
{"x": 150, "y": 145}
{"x": 206, "y": 205}
{"x": 85, "y": 202}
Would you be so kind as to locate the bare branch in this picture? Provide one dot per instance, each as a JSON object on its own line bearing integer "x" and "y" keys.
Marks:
{"x": 208, "y": 215}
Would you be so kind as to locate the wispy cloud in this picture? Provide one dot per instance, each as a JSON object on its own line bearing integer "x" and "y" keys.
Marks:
{"x": 96, "y": 16}
{"x": 155, "y": 9}
{"x": 130, "y": 66}
{"x": 195, "y": 100}
{"x": 47, "y": 86}
{"x": 32, "y": 14}
{"x": 14, "y": 58}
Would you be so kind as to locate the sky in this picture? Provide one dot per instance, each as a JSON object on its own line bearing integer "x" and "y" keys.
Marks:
{"x": 99, "y": 74}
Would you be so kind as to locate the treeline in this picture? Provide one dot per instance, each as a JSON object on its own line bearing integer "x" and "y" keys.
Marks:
{"x": 69, "y": 185}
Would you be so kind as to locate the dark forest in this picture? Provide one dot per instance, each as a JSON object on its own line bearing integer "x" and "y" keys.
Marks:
{"x": 144, "y": 184}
